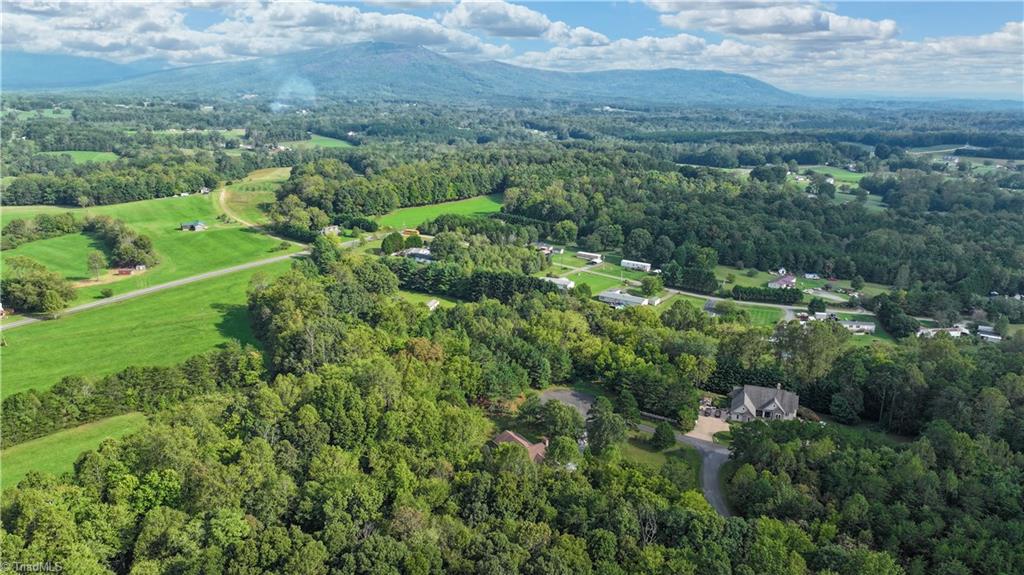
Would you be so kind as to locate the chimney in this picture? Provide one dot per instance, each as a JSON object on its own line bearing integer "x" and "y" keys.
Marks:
{"x": 544, "y": 440}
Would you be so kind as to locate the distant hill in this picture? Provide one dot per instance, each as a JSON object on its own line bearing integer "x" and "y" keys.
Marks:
{"x": 387, "y": 71}
{"x": 23, "y": 71}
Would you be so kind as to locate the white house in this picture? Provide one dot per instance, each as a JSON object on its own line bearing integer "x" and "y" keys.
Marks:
{"x": 562, "y": 283}
{"x": 955, "y": 331}
{"x": 619, "y": 298}
{"x": 421, "y": 255}
{"x": 857, "y": 327}
{"x": 635, "y": 265}
{"x": 590, "y": 257}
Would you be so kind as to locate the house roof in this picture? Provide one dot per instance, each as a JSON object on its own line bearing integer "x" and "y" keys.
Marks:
{"x": 755, "y": 397}
{"x": 622, "y": 297}
{"x": 195, "y": 223}
{"x": 535, "y": 450}
{"x": 784, "y": 280}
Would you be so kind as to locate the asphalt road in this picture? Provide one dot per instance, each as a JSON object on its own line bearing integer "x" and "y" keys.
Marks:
{"x": 156, "y": 288}
{"x": 712, "y": 455}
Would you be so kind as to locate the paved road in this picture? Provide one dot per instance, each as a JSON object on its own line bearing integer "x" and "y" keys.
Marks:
{"x": 156, "y": 288}
{"x": 712, "y": 455}
{"x": 789, "y": 310}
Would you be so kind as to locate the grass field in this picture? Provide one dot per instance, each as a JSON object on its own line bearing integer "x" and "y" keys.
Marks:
{"x": 249, "y": 197}
{"x": 65, "y": 255}
{"x": 637, "y": 450}
{"x": 873, "y": 203}
{"x": 612, "y": 267}
{"x": 181, "y": 253}
{"x": 840, "y": 175}
{"x": 56, "y": 453}
{"x": 413, "y": 217}
{"x": 760, "y": 315}
{"x": 158, "y": 329}
{"x": 597, "y": 283}
{"x": 84, "y": 156}
{"x": 47, "y": 113}
{"x": 317, "y": 142}
{"x": 416, "y": 297}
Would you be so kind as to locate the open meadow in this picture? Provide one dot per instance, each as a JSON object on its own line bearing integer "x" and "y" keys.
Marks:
{"x": 181, "y": 253}
{"x": 412, "y": 217}
{"x": 317, "y": 141}
{"x": 249, "y": 197}
{"x": 84, "y": 156}
{"x": 56, "y": 453}
{"x": 157, "y": 329}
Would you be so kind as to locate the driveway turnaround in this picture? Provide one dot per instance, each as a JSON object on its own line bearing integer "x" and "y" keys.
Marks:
{"x": 712, "y": 455}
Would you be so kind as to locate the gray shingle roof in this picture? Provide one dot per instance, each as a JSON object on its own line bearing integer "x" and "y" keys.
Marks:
{"x": 755, "y": 398}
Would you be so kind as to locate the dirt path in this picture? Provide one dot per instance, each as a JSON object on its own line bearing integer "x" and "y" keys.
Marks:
{"x": 222, "y": 202}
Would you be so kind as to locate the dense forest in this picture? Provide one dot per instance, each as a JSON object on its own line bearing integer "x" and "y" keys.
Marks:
{"x": 355, "y": 436}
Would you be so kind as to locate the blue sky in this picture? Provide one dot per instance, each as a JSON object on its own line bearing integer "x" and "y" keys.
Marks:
{"x": 902, "y": 49}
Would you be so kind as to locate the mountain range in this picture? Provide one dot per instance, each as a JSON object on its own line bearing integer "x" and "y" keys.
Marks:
{"x": 386, "y": 71}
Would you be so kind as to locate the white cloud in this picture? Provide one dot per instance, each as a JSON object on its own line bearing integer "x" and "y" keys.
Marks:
{"x": 962, "y": 65}
{"x": 507, "y": 20}
{"x": 771, "y": 20}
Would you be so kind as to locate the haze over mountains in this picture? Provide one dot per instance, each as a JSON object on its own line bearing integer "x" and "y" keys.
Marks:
{"x": 390, "y": 72}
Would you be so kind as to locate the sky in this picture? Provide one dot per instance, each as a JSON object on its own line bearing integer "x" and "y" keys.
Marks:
{"x": 935, "y": 49}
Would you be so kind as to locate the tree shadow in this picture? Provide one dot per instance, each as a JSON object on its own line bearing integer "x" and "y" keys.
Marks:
{"x": 234, "y": 323}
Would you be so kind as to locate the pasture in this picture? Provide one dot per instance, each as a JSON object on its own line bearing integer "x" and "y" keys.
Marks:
{"x": 62, "y": 113}
{"x": 317, "y": 141}
{"x": 65, "y": 255}
{"x": 840, "y": 175}
{"x": 181, "y": 253}
{"x": 84, "y": 156}
{"x": 157, "y": 329}
{"x": 412, "y": 217}
{"x": 249, "y": 197}
{"x": 56, "y": 453}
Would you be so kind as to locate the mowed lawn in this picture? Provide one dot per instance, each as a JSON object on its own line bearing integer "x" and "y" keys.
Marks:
{"x": 248, "y": 198}
{"x": 181, "y": 253}
{"x": 317, "y": 141}
{"x": 57, "y": 453}
{"x": 840, "y": 175}
{"x": 597, "y": 283}
{"x": 65, "y": 255}
{"x": 412, "y": 217}
{"x": 157, "y": 329}
{"x": 763, "y": 315}
{"x": 85, "y": 156}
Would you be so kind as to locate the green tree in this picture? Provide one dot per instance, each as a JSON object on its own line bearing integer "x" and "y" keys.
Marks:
{"x": 97, "y": 262}
{"x": 564, "y": 232}
{"x": 816, "y": 305}
{"x": 651, "y": 285}
{"x": 605, "y": 428}
{"x": 628, "y": 408}
{"x": 664, "y": 436}
{"x": 392, "y": 243}
{"x": 857, "y": 283}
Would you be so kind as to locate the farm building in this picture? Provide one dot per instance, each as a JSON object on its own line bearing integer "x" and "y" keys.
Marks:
{"x": 787, "y": 281}
{"x": 634, "y": 265}
{"x": 989, "y": 337}
{"x": 856, "y": 327}
{"x": 619, "y": 298}
{"x": 562, "y": 283}
{"x": 536, "y": 451}
{"x": 590, "y": 257}
{"x": 196, "y": 226}
{"x": 752, "y": 401}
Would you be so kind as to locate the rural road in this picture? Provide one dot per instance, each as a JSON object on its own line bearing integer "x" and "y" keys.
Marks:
{"x": 157, "y": 288}
{"x": 789, "y": 310}
{"x": 712, "y": 455}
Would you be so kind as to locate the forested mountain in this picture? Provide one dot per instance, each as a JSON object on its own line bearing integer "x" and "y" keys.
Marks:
{"x": 22, "y": 71}
{"x": 386, "y": 71}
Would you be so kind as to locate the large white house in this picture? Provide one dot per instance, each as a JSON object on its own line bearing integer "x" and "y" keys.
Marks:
{"x": 634, "y": 265}
{"x": 562, "y": 283}
{"x": 619, "y": 298}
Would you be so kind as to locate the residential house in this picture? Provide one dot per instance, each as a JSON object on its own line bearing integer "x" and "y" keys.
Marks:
{"x": 859, "y": 327}
{"x": 562, "y": 283}
{"x": 590, "y": 257}
{"x": 634, "y": 265}
{"x": 330, "y": 230}
{"x": 989, "y": 337}
{"x": 536, "y": 451}
{"x": 812, "y": 276}
{"x": 955, "y": 331}
{"x": 619, "y": 298}
{"x": 548, "y": 249}
{"x": 432, "y": 304}
{"x": 753, "y": 401}
{"x": 421, "y": 255}
{"x": 196, "y": 226}
{"x": 787, "y": 281}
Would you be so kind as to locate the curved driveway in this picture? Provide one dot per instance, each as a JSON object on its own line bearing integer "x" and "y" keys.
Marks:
{"x": 712, "y": 455}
